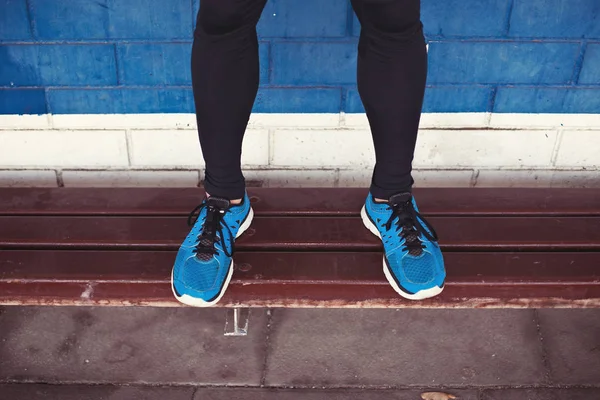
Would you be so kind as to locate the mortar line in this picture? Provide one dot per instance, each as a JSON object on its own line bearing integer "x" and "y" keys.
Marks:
{"x": 118, "y": 69}
{"x": 480, "y": 394}
{"x": 508, "y": 16}
{"x": 263, "y": 376}
{"x": 303, "y": 387}
{"x": 545, "y": 362}
{"x": 59, "y": 178}
{"x": 271, "y": 150}
{"x": 128, "y": 143}
{"x": 474, "y": 177}
{"x": 556, "y": 148}
{"x": 579, "y": 63}
{"x": 30, "y": 20}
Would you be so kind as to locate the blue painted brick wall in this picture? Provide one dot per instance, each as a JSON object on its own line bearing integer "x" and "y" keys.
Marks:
{"x": 132, "y": 56}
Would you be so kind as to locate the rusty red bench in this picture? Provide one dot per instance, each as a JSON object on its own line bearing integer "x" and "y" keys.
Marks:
{"x": 306, "y": 248}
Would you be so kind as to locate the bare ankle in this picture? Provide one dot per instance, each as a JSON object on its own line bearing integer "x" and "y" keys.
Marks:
{"x": 232, "y": 202}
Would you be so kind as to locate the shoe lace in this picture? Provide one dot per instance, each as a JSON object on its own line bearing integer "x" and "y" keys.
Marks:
{"x": 408, "y": 223}
{"x": 213, "y": 225}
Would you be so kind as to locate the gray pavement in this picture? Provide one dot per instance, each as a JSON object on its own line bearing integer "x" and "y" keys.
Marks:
{"x": 180, "y": 353}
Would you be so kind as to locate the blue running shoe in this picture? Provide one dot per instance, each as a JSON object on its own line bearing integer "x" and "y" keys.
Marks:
{"x": 413, "y": 262}
{"x": 204, "y": 264}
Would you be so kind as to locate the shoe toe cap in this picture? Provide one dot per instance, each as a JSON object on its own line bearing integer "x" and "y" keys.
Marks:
{"x": 417, "y": 273}
{"x": 196, "y": 278}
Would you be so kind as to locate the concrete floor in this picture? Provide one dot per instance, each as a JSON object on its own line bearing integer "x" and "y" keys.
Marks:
{"x": 181, "y": 353}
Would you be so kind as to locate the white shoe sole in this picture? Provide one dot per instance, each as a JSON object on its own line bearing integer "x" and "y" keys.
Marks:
{"x": 196, "y": 302}
{"x": 421, "y": 294}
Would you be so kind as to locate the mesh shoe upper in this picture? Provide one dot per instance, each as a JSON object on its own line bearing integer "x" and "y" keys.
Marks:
{"x": 204, "y": 258}
{"x": 412, "y": 254}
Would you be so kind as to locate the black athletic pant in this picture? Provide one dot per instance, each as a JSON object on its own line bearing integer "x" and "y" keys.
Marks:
{"x": 392, "y": 67}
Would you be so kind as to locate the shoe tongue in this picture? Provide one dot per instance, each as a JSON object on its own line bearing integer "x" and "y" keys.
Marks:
{"x": 218, "y": 202}
{"x": 400, "y": 198}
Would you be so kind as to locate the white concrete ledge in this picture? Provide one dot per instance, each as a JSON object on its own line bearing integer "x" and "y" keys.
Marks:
{"x": 302, "y": 178}
{"x": 453, "y": 149}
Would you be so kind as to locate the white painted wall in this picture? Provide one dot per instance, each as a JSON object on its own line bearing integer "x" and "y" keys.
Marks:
{"x": 458, "y": 149}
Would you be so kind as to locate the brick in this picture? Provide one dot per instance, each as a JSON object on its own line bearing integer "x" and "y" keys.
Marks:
{"x": 457, "y": 99}
{"x": 34, "y": 65}
{"x": 26, "y": 121}
{"x": 582, "y": 178}
{"x": 264, "y": 51}
{"x": 155, "y": 64}
{"x": 63, "y": 148}
{"x": 313, "y": 63}
{"x": 120, "y": 101}
{"x": 165, "y": 148}
{"x": 315, "y": 394}
{"x": 538, "y": 178}
{"x": 579, "y": 149}
{"x": 431, "y": 120}
{"x": 454, "y": 120}
{"x": 423, "y": 178}
{"x": 494, "y": 62}
{"x": 355, "y": 25}
{"x": 484, "y": 148}
{"x": 292, "y": 178}
{"x": 313, "y": 148}
{"x": 19, "y": 66}
{"x": 27, "y": 178}
{"x": 555, "y": 19}
{"x": 121, "y": 345}
{"x": 298, "y": 100}
{"x": 22, "y": 101}
{"x": 130, "y": 178}
{"x": 547, "y": 100}
{"x": 181, "y": 148}
{"x": 403, "y": 346}
{"x": 443, "y": 178}
{"x": 72, "y": 20}
{"x": 467, "y": 18}
{"x": 514, "y": 178}
{"x": 255, "y": 148}
{"x": 525, "y": 121}
{"x": 195, "y": 8}
{"x": 124, "y": 121}
{"x": 462, "y": 18}
{"x": 355, "y": 120}
{"x": 449, "y": 99}
{"x": 77, "y": 65}
{"x": 353, "y": 102}
{"x": 14, "y": 22}
{"x": 150, "y": 19}
{"x": 590, "y": 70}
{"x": 571, "y": 340}
{"x": 279, "y": 120}
{"x": 22, "y": 391}
{"x": 541, "y": 394}
{"x": 304, "y": 18}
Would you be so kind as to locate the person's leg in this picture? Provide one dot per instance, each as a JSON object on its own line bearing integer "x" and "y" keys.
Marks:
{"x": 392, "y": 69}
{"x": 225, "y": 76}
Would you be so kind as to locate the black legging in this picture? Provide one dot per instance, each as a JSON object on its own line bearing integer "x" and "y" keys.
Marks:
{"x": 392, "y": 67}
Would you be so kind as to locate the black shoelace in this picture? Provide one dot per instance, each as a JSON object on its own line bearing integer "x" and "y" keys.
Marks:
{"x": 409, "y": 222}
{"x": 213, "y": 225}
